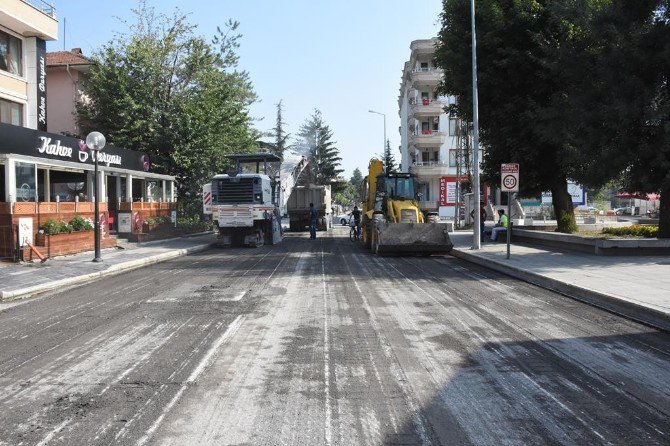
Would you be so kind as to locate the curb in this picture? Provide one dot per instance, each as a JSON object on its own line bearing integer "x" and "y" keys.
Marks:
{"x": 608, "y": 302}
{"x": 111, "y": 271}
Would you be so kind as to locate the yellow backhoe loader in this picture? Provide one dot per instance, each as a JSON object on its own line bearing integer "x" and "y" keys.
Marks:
{"x": 392, "y": 221}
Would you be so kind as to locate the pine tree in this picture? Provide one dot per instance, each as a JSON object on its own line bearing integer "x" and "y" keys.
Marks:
{"x": 319, "y": 148}
{"x": 390, "y": 164}
{"x": 281, "y": 137}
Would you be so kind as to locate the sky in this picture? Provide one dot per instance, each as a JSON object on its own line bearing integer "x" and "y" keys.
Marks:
{"x": 343, "y": 57}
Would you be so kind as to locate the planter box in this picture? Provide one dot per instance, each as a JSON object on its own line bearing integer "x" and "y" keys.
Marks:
{"x": 72, "y": 243}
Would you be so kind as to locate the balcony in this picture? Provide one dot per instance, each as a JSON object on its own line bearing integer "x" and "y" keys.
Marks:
{"x": 426, "y": 169}
{"x": 30, "y": 18}
{"x": 427, "y": 138}
{"x": 425, "y": 107}
{"x": 426, "y": 76}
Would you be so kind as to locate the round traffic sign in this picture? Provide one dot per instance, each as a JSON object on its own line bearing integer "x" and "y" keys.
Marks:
{"x": 509, "y": 181}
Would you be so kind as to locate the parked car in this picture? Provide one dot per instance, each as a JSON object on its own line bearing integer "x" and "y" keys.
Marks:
{"x": 342, "y": 219}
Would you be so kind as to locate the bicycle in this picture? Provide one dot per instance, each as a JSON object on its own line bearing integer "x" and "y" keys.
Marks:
{"x": 354, "y": 232}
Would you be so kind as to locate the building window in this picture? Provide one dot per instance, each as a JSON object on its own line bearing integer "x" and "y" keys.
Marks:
{"x": 11, "y": 112}
{"x": 26, "y": 181}
{"x": 452, "y": 158}
{"x": 424, "y": 66}
{"x": 453, "y": 126}
{"x": 10, "y": 54}
{"x": 436, "y": 124}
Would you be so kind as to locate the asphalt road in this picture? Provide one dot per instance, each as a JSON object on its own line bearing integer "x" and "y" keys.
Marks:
{"x": 320, "y": 343}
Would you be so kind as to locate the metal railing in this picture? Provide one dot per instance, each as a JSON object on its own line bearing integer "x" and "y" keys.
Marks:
{"x": 8, "y": 242}
{"x": 47, "y": 8}
{"x": 429, "y": 163}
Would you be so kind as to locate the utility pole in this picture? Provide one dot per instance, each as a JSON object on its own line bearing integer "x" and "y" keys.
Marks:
{"x": 476, "y": 236}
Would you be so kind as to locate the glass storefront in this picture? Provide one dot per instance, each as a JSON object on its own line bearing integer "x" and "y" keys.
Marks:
{"x": 26, "y": 182}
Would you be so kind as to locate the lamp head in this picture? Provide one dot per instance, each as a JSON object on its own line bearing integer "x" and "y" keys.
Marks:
{"x": 95, "y": 141}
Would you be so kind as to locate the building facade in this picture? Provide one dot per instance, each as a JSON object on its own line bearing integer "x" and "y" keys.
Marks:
{"x": 430, "y": 145}
{"x": 66, "y": 72}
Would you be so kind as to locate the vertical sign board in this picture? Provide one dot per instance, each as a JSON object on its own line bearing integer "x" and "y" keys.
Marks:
{"x": 447, "y": 191}
{"x": 41, "y": 55}
{"x": 443, "y": 191}
{"x": 509, "y": 177}
{"x": 124, "y": 222}
{"x": 25, "y": 231}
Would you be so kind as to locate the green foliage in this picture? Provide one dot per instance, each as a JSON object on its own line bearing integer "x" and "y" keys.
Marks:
{"x": 157, "y": 220}
{"x": 80, "y": 224}
{"x": 356, "y": 179}
{"x": 317, "y": 145}
{"x": 566, "y": 223}
{"x": 346, "y": 195}
{"x": 52, "y": 227}
{"x": 161, "y": 89}
{"x": 281, "y": 137}
{"x": 646, "y": 231}
{"x": 193, "y": 224}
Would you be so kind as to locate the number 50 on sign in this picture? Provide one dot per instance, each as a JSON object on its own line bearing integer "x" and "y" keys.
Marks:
{"x": 509, "y": 177}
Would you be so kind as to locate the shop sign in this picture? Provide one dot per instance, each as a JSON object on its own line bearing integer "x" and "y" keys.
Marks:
{"x": 41, "y": 55}
{"x": 447, "y": 195}
{"x": 576, "y": 191}
{"x": 30, "y": 142}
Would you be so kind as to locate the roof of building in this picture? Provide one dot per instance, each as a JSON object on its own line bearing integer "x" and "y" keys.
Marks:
{"x": 72, "y": 57}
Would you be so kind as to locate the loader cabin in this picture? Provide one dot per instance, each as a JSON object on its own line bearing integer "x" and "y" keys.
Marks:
{"x": 397, "y": 186}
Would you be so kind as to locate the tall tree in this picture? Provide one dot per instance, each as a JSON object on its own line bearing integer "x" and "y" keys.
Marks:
{"x": 623, "y": 106}
{"x": 356, "y": 178}
{"x": 280, "y": 136}
{"x": 159, "y": 88}
{"x": 318, "y": 146}
{"x": 390, "y": 164}
{"x": 526, "y": 72}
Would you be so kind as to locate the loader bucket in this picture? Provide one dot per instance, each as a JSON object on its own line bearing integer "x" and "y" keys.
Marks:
{"x": 412, "y": 238}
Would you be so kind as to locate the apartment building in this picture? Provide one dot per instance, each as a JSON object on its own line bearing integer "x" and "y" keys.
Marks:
{"x": 429, "y": 137}
{"x": 25, "y": 27}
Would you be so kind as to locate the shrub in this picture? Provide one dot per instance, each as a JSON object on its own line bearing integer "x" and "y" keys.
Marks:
{"x": 193, "y": 224}
{"x": 647, "y": 231}
{"x": 81, "y": 224}
{"x": 52, "y": 227}
{"x": 567, "y": 223}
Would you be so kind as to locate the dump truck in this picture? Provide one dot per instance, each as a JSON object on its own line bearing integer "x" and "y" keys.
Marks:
{"x": 297, "y": 207}
{"x": 243, "y": 204}
{"x": 392, "y": 222}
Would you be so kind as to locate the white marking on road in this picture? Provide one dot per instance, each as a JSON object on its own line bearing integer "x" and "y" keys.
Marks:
{"x": 326, "y": 353}
{"x": 53, "y": 432}
{"x": 204, "y": 362}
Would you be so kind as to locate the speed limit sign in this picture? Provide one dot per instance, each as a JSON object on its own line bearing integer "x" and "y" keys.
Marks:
{"x": 509, "y": 177}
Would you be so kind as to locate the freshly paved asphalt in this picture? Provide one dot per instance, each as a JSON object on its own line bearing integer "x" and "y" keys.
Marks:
{"x": 319, "y": 342}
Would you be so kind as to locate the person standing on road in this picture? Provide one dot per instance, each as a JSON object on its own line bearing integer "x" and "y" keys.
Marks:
{"x": 356, "y": 214}
{"x": 312, "y": 221}
{"x": 501, "y": 226}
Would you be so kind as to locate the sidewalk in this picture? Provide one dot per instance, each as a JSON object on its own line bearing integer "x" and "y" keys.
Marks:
{"x": 22, "y": 280}
{"x": 637, "y": 287}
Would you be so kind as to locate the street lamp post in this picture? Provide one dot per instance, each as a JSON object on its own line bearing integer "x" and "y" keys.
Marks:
{"x": 378, "y": 113}
{"x": 476, "y": 236}
{"x": 95, "y": 141}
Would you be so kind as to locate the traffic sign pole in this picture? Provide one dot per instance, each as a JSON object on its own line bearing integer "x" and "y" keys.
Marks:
{"x": 509, "y": 221}
{"x": 509, "y": 182}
